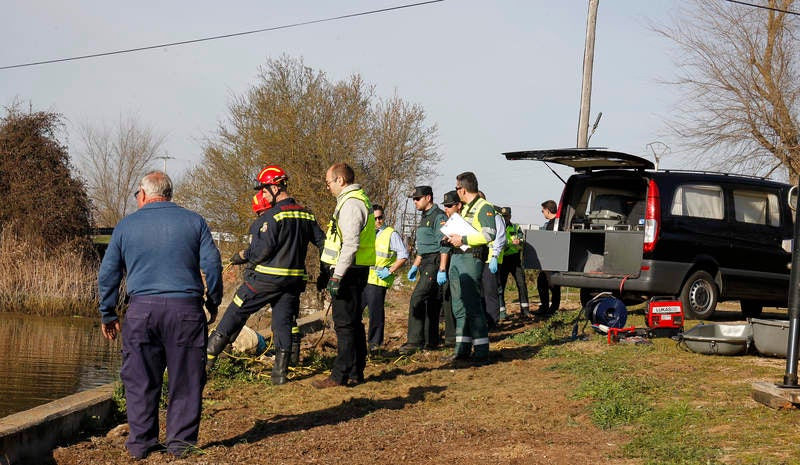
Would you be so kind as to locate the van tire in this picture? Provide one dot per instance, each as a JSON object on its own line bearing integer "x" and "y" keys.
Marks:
{"x": 751, "y": 308}
{"x": 699, "y": 296}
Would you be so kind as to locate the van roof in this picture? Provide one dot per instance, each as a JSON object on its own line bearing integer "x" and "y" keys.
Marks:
{"x": 584, "y": 159}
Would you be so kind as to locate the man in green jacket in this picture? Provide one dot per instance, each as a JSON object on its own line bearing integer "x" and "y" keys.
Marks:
{"x": 431, "y": 266}
{"x": 466, "y": 267}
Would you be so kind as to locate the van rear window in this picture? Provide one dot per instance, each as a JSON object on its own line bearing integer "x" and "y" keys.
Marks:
{"x": 756, "y": 207}
{"x": 701, "y": 201}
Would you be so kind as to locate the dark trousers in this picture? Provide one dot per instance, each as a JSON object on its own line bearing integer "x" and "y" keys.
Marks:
{"x": 351, "y": 340}
{"x": 447, "y": 312}
{"x": 546, "y": 291}
{"x": 158, "y": 333}
{"x": 512, "y": 264}
{"x": 283, "y": 296}
{"x": 491, "y": 298}
{"x": 425, "y": 305}
{"x": 373, "y": 298}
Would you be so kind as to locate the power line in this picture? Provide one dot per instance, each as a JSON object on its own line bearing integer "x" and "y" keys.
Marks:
{"x": 224, "y": 36}
{"x": 764, "y": 7}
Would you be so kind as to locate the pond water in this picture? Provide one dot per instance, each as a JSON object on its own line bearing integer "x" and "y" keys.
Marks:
{"x": 46, "y": 358}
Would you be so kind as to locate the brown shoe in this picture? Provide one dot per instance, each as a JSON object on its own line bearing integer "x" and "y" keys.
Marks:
{"x": 325, "y": 383}
{"x": 456, "y": 361}
{"x": 355, "y": 381}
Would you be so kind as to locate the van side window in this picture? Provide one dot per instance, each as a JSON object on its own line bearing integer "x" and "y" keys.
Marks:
{"x": 756, "y": 207}
{"x": 702, "y": 201}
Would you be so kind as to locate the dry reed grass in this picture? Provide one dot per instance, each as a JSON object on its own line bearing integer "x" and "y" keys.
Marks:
{"x": 61, "y": 282}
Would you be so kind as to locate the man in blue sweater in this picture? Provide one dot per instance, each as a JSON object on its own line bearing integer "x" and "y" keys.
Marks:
{"x": 161, "y": 249}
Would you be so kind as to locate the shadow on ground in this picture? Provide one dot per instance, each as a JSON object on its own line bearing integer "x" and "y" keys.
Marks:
{"x": 348, "y": 410}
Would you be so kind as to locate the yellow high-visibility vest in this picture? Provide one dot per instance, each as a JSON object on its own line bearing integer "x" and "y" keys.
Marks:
{"x": 384, "y": 257}
{"x": 470, "y": 214}
{"x": 512, "y": 231}
{"x": 365, "y": 255}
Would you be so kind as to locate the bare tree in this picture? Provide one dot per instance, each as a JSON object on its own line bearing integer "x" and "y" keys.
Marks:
{"x": 113, "y": 161}
{"x": 402, "y": 152}
{"x": 296, "y": 118}
{"x": 737, "y": 68}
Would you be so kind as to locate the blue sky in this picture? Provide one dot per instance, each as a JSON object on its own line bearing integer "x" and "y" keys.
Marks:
{"x": 494, "y": 75}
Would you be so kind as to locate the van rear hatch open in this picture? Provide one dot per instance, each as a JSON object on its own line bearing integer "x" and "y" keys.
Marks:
{"x": 584, "y": 159}
{"x": 601, "y": 223}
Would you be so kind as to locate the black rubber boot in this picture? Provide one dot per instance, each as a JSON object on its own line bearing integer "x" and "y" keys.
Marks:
{"x": 281, "y": 367}
{"x": 216, "y": 344}
{"x": 294, "y": 360}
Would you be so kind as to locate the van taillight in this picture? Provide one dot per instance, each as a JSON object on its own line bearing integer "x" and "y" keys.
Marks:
{"x": 652, "y": 217}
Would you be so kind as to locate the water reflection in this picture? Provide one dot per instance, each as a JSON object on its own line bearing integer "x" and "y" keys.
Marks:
{"x": 45, "y": 358}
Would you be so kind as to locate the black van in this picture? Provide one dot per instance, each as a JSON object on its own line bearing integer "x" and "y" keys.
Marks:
{"x": 625, "y": 227}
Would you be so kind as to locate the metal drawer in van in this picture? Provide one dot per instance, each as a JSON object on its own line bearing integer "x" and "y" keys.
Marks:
{"x": 608, "y": 252}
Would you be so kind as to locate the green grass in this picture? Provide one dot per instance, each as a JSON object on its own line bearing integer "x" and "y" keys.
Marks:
{"x": 236, "y": 370}
{"x": 556, "y": 329}
{"x": 674, "y": 406}
{"x": 120, "y": 404}
{"x": 623, "y": 396}
{"x": 677, "y": 407}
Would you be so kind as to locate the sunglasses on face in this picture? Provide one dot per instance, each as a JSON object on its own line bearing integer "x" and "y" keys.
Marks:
{"x": 416, "y": 199}
{"x": 378, "y": 218}
{"x": 136, "y": 194}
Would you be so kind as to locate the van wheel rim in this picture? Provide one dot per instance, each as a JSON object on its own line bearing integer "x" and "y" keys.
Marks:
{"x": 700, "y": 296}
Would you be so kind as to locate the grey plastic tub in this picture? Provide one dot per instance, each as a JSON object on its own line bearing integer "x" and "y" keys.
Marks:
{"x": 771, "y": 337}
{"x": 719, "y": 339}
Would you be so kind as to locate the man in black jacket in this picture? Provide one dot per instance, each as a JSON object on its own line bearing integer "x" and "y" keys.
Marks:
{"x": 549, "y": 209}
{"x": 275, "y": 273}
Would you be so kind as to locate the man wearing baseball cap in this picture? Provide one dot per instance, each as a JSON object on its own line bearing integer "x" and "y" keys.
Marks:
{"x": 430, "y": 264}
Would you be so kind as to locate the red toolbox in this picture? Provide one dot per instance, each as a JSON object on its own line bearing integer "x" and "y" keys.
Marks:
{"x": 665, "y": 316}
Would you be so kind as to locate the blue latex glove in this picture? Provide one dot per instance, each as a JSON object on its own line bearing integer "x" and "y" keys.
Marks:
{"x": 441, "y": 277}
{"x": 412, "y": 273}
{"x": 493, "y": 265}
{"x": 383, "y": 273}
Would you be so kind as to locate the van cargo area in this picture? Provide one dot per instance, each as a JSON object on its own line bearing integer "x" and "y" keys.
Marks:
{"x": 601, "y": 230}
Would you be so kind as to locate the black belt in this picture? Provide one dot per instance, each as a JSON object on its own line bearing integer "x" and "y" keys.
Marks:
{"x": 481, "y": 251}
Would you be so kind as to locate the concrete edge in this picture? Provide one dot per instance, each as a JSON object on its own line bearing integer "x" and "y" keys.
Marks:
{"x": 34, "y": 433}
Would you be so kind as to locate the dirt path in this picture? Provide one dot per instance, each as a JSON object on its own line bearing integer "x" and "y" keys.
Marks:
{"x": 410, "y": 410}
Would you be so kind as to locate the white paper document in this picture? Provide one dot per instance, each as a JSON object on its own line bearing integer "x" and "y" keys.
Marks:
{"x": 456, "y": 224}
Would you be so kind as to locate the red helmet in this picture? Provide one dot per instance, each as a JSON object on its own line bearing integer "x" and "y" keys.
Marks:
{"x": 272, "y": 175}
{"x": 260, "y": 203}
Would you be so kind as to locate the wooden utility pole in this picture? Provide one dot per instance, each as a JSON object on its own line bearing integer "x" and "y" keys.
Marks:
{"x": 586, "y": 87}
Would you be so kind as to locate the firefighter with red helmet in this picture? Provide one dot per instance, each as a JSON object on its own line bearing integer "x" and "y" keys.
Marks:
{"x": 275, "y": 271}
{"x": 260, "y": 204}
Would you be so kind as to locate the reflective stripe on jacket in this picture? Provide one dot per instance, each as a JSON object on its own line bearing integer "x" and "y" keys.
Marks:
{"x": 280, "y": 240}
